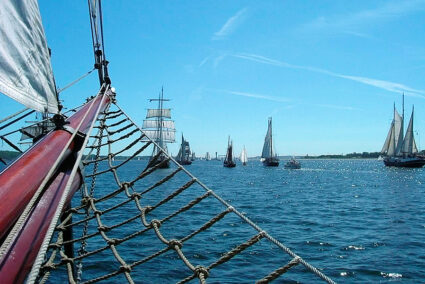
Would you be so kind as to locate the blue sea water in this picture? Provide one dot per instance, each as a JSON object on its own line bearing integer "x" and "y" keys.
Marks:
{"x": 355, "y": 220}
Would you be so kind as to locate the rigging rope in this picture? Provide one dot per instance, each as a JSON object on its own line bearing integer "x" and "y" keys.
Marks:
{"x": 75, "y": 81}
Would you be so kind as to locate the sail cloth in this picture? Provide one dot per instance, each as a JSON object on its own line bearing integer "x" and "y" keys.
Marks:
{"x": 156, "y": 124}
{"x": 25, "y": 71}
{"x": 409, "y": 144}
{"x": 167, "y": 135}
{"x": 166, "y": 113}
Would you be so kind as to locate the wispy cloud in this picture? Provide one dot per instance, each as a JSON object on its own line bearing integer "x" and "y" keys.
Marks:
{"x": 389, "y": 11}
{"x": 386, "y": 85}
{"x": 257, "y": 96}
{"x": 231, "y": 24}
{"x": 204, "y": 60}
{"x": 337, "y": 107}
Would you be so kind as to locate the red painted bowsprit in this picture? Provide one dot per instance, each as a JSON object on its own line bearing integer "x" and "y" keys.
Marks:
{"x": 20, "y": 180}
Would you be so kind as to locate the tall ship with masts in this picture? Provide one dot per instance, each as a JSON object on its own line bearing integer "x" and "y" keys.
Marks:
{"x": 269, "y": 156}
{"x": 159, "y": 127}
{"x": 184, "y": 156}
{"x": 399, "y": 150}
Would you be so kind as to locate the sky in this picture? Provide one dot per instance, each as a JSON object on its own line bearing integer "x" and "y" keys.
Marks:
{"x": 327, "y": 72}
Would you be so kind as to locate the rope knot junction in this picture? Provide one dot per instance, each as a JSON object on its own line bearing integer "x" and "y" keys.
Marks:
{"x": 172, "y": 243}
{"x": 201, "y": 270}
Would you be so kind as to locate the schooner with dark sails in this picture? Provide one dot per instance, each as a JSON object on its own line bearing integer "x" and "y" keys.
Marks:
{"x": 184, "y": 156}
{"x": 159, "y": 127}
{"x": 269, "y": 156}
{"x": 228, "y": 161}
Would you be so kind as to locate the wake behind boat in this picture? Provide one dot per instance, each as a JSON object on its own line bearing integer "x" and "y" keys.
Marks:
{"x": 399, "y": 151}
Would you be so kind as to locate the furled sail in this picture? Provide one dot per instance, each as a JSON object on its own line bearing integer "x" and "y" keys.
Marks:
{"x": 157, "y": 124}
{"x": 409, "y": 144}
{"x": 25, "y": 70}
{"x": 165, "y": 113}
{"x": 34, "y": 131}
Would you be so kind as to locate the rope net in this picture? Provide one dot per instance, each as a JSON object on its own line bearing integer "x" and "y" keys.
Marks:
{"x": 132, "y": 222}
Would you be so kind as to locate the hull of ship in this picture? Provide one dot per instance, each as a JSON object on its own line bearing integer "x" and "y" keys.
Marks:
{"x": 415, "y": 162}
{"x": 184, "y": 162}
{"x": 271, "y": 163}
{"x": 164, "y": 165}
{"x": 292, "y": 166}
{"x": 230, "y": 164}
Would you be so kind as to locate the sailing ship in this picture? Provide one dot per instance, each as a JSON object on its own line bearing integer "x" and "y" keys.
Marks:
{"x": 159, "y": 127}
{"x": 207, "y": 156}
{"x": 228, "y": 161}
{"x": 41, "y": 229}
{"x": 184, "y": 155}
{"x": 244, "y": 156}
{"x": 269, "y": 156}
{"x": 193, "y": 158}
{"x": 399, "y": 151}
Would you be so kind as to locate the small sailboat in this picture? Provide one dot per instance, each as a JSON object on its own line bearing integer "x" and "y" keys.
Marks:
{"x": 193, "y": 156}
{"x": 159, "y": 128}
{"x": 184, "y": 157}
{"x": 268, "y": 156}
{"x": 292, "y": 164}
{"x": 228, "y": 161}
{"x": 207, "y": 156}
{"x": 244, "y": 156}
{"x": 399, "y": 151}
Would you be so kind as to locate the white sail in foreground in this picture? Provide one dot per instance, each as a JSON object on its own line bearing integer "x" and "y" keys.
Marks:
{"x": 168, "y": 136}
{"x": 409, "y": 144}
{"x": 25, "y": 70}
{"x": 244, "y": 156}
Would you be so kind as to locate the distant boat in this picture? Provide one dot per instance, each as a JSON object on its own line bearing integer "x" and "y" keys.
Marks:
{"x": 244, "y": 156}
{"x": 292, "y": 164}
{"x": 207, "y": 156}
{"x": 399, "y": 152}
{"x": 184, "y": 157}
{"x": 269, "y": 157}
{"x": 160, "y": 129}
{"x": 228, "y": 161}
{"x": 193, "y": 156}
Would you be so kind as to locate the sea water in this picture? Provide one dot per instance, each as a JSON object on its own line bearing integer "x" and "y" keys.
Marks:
{"x": 356, "y": 220}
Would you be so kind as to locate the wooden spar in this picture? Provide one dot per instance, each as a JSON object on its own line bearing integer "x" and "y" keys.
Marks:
{"x": 20, "y": 180}
{"x": 17, "y": 261}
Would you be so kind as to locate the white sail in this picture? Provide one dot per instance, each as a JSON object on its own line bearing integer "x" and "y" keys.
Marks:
{"x": 387, "y": 140}
{"x": 167, "y": 135}
{"x": 25, "y": 70}
{"x": 409, "y": 144}
{"x": 244, "y": 157}
{"x": 165, "y": 113}
{"x": 398, "y": 131}
{"x": 156, "y": 124}
{"x": 268, "y": 142}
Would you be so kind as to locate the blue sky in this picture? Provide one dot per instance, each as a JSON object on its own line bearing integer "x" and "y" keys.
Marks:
{"x": 328, "y": 72}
